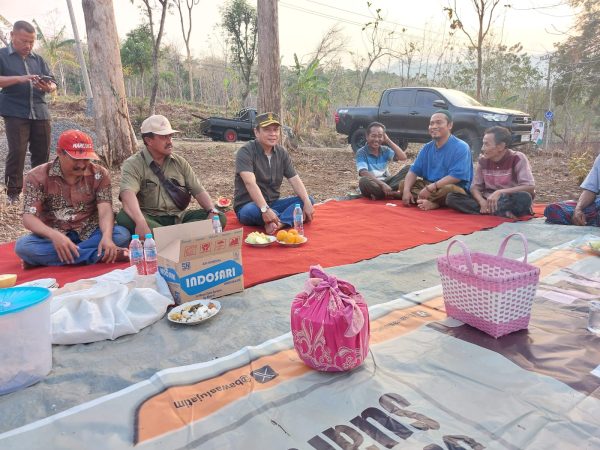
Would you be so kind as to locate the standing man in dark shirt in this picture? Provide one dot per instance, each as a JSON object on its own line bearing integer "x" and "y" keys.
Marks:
{"x": 25, "y": 79}
{"x": 260, "y": 166}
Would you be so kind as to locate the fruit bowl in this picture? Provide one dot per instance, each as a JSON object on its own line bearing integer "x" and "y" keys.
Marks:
{"x": 594, "y": 247}
{"x": 295, "y": 244}
{"x": 256, "y": 239}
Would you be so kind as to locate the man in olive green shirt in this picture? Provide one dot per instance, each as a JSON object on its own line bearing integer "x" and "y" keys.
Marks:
{"x": 148, "y": 201}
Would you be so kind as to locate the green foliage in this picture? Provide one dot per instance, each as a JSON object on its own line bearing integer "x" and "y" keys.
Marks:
{"x": 579, "y": 165}
{"x": 505, "y": 71}
{"x": 306, "y": 95}
{"x": 136, "y": 51}
{"x": 239, "y": 22}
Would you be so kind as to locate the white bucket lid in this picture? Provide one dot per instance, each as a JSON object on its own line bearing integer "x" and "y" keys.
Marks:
{"x": 16, "y": 299}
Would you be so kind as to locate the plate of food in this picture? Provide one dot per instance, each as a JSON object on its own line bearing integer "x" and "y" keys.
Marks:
{"x": 256, "y": 239}
{"x": 595, "y": 247}
{"x": 290, "y": 238}
{"x": 49, "y": 283}
{"x": 194, "y": 312}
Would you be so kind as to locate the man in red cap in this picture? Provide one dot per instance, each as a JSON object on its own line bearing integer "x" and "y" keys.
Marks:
{"x": 68, "y": 208}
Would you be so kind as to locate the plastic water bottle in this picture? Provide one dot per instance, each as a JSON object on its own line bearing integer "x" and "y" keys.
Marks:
{"x": 216, "y": 224}
{"x": 136, "y": 254}
{"x": 150, "y": 254}
{"x": 299, "y": 219}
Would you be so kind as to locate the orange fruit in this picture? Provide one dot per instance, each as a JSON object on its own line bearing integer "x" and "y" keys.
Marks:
{"x": 298, "y": 239}
{"x": 290, "y": 238}
{"x": 282, "y": 235}
{"x": 292, "y": 231}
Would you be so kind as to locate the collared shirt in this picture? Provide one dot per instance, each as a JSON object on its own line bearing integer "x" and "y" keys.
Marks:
{"x": 22, "y": 99}
{"x": 375, "y": 164}
{"x": 592, "y": 180}
{"x": 154, "y": 200}
{"x": 453, "y": 158}
{"x": 63, "y": 206}
{"x": 512, "y": 170}
{"x": 269, "y": 172}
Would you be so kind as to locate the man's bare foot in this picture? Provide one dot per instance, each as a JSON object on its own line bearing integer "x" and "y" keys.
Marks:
{"x": 273, "y": 227}
{"x": 427, "y": 205}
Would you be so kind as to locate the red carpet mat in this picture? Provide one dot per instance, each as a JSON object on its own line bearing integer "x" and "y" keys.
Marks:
{"x": 343, "y": 232}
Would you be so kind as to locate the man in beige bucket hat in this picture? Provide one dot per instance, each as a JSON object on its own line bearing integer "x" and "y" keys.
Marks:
{"x": 157, "y": 184}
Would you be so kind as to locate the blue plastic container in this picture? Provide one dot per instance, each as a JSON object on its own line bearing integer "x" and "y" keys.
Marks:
{"x": 26, "y": 350}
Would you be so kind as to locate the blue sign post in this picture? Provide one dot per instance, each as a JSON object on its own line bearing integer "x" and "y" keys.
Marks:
{"x": 549, "y": 115}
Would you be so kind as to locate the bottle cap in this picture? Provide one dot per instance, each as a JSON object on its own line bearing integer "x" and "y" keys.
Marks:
{"x": 297, "y": 205}
{"x": 216, "y": 217}
{"x": 148, "y": 235}
{"x": 135, "y": 236}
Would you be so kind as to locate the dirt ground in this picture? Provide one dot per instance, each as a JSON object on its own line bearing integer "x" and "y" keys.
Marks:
{"x": 326, "y": 172}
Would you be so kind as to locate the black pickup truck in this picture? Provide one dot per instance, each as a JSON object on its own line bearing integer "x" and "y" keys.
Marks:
{"x": 241, "y": 127}
{"x": 406, "y": 112}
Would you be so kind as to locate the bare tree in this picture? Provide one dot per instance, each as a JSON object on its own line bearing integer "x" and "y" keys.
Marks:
{"x": 156, "y": 37}
{"x": 186, "y": 38}
{"x": 378, "y": 45}
{"x": 269, "y": 80}
{"x": 239, "y": 22}
{"x": 116, "y": 139}
{"x": 485, "y": 15}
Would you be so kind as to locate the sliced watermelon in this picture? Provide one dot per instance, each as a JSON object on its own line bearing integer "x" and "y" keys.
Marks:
{"x": 223, "y": 202}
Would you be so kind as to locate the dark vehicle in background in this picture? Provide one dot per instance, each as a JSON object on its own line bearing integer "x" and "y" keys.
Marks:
{"x": 405, "y": 112}
{"x": 240, "y": 128}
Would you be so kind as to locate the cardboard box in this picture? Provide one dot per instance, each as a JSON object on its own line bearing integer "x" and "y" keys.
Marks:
{"x": 196, "y": 263}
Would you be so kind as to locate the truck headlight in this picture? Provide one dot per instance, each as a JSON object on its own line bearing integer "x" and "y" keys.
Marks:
{"x": 493, "y": 117}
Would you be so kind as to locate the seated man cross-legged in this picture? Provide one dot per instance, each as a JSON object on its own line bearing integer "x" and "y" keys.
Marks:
{"x": 157, "y": 184}
{"x": 584, "y": 211}
{"x": 443, "y": 165}
{"x": 68, "y": 208}
{"x": 503, "y": 183}
{"x": 372, "y": 163}
{"x": 260, "y": 166}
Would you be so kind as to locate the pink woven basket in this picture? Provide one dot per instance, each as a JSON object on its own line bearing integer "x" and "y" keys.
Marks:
{"x": 489, "y": 292}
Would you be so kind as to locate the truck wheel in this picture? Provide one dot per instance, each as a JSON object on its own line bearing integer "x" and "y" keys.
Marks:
{"x": 472, "y": 139}
{"x": 358, "y": 139}
{"x": 230, "y": 135}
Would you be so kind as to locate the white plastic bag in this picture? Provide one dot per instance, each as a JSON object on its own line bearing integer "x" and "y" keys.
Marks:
{"x": 106, "y": 307}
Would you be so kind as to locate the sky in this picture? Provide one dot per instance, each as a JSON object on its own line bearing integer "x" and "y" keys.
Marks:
{"x": 537, "y": 24}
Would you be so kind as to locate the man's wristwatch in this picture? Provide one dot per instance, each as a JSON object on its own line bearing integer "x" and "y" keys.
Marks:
{"x": 264, "y": 209}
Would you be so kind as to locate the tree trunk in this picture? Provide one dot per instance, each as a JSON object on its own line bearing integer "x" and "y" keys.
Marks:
{"x": 269, "y": 82}
{"x": 115, "y": 136}
{"x": 191, "y": 76}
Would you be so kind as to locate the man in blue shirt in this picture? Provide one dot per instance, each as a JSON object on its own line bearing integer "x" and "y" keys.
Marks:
{"x": 25, "y": 79}
{"x": 584, "y": 211}
{"x": 372, "y": 163}
{"x": 443, "y": 165}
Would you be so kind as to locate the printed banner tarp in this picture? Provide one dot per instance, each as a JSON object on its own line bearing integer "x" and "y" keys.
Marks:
{"x": 429, "y": 383}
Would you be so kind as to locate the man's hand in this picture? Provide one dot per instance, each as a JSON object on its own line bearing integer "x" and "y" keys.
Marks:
{"x": 66, "y": 249}
{"x": 46, "y": 86}
{"x": 492, "y": 201}
{"x": 270, "y": 217}
{"x": 407, "y": 198}
{"x": 109, "y": 248}
{"x": 578, "y": 217}
{"x": 142, "y": 230}
{"x": 309, "y": 211}
{"x": 483, "y": 206}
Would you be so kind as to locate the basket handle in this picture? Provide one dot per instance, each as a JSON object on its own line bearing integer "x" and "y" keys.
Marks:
{"x": 466, "y": 252}
{"x": 505, "y": 241}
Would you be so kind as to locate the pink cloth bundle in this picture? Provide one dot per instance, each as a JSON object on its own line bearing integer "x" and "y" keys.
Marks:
{"x": 330, "y": 323}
